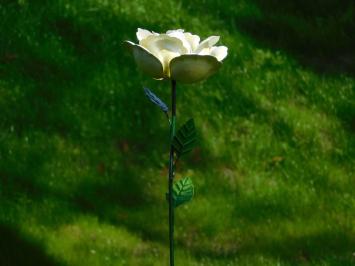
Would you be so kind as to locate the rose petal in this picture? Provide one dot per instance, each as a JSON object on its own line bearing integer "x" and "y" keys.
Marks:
{"x": 205, "y": 51}
{"x": 147, "y": 62}
{"x": 181, "y": 36}
{"x": 171, "y": 31}
{"x": 220, "y": 52}
{"x": 193, "y": 68}
{"x": 167, "y": 56}
{"x": 142, "y": 34}
{"x": 208, "y": 43}
{"x": 194, "y": 40}
{"x": 164, "y": 48}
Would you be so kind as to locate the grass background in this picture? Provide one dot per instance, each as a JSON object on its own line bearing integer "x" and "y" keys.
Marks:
{"x": 83, "y": 161}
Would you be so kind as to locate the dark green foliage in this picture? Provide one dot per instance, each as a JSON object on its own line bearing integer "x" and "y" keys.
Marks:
{"x": 29, "y": 252}
{"x": 183, "y": 191}
{"x": 185, "y": 139}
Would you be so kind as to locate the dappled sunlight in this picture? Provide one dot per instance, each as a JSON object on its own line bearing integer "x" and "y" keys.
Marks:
{"x": 83, "y": 165}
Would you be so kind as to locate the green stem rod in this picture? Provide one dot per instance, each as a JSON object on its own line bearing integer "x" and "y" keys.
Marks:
{"x": 171, "y": 172}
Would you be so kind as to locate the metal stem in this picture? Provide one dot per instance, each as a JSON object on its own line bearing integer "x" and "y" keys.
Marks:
{"x": 171, "y": 172}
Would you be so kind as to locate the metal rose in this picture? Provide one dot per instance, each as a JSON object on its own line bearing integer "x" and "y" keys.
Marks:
{"x": 177, "y": 55}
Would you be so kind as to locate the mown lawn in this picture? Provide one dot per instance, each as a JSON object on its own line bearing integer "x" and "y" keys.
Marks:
{"x": 83, "y": 161}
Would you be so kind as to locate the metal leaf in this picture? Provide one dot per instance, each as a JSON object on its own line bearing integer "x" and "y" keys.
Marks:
{"x": 185, "y": 139}
{"x": 183, "y": 191}
{"x": 156, "y": 100}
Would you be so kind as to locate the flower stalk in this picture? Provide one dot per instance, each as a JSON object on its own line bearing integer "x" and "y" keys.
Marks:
{"x": 177, "y": 56}
{"x": 171, "y": 172}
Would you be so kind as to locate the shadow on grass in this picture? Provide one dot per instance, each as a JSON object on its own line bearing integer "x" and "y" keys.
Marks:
{"x": 330, "y": 246}
{"x": 83, "y": 47}
{"x": 318, "y": 33}
{"x": 18, "y": 250}
{"x": 307, "y": 248}
{"x": 20, "y": 166}
{"x": 48, "y": 58}
{"x": 124, "y": 199}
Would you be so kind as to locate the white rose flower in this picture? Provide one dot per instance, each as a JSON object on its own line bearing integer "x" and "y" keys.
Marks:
{"x": 177, "y": 55}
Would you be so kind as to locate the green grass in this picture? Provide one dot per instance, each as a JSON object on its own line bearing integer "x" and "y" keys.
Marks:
{"x": 83, "y": 161}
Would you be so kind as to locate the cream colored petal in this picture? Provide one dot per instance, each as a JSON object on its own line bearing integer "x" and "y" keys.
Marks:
{"x": 205, "y": 51}
{"x": 164, "y": 47}
{"x": 142, "y": 34}
{"x": 171, "y": 31}
{"x": 193, "y": 68}
{"x": 155, "y": 44}
{"x": 220, "y": 52}
{"x": 147, "y": 62}
{"x": 194, "y": 40}
{"x": 167, "y": 56}
{"x": 181, "y": 36}
{"x": 208, "y": 43}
